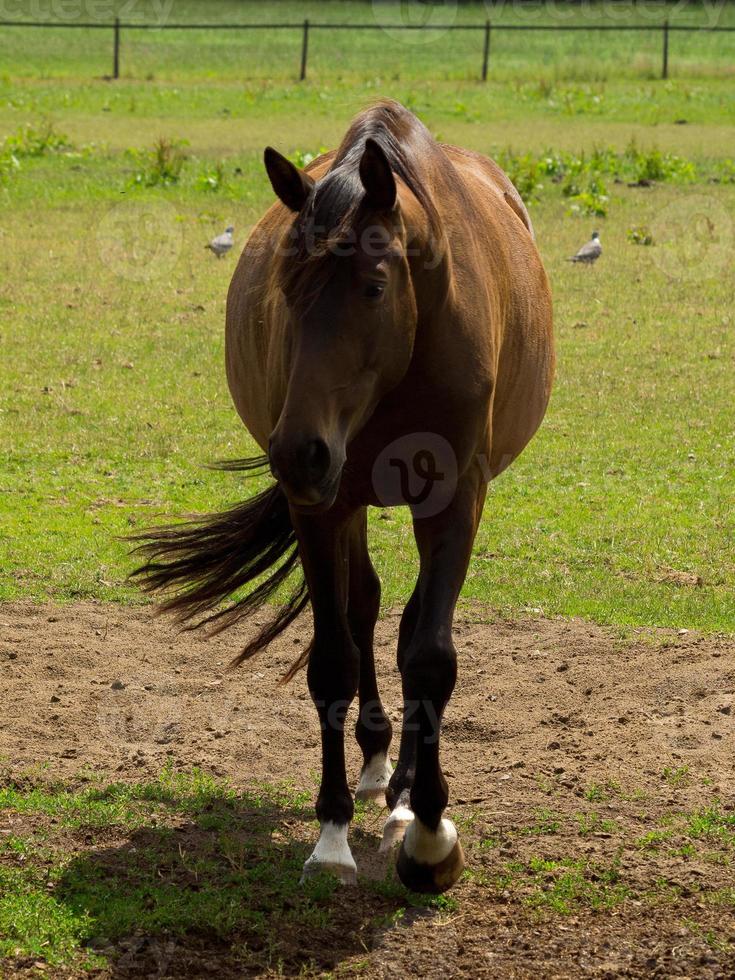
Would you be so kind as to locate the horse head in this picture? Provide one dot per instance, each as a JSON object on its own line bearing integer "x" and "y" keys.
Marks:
{"x": 345, "y": 277}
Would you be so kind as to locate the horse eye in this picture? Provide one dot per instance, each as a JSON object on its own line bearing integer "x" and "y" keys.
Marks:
{"x": 374, "y": 289}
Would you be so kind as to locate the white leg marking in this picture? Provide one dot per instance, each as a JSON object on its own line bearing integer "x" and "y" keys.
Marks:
{"x": 395, "y": 826}
{"x": 374, "y": 779}
{"x": 332, "y": 853}
{"x": 429, "y": 846}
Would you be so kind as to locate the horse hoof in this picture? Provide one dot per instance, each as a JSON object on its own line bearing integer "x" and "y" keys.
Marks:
{"x": 374, "y": 780}
{"x": 346, "y": 874}
{"x": 376, "y": 796}
{"x": 395, "y": 828}
{"x": 332, "y": 855}
{"x": 430, "y": 861}
{"x": 432, "y": 879}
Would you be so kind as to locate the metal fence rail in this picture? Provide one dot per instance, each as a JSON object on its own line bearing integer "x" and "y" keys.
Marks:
{"x": 306, "y": 26}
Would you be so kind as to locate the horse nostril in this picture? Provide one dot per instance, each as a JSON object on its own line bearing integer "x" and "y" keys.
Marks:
{"x": 301, "y": 464}
{"x": 316, "y": 459}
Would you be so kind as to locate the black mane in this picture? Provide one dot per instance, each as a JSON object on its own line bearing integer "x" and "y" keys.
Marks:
{"x": 333, "y": 214}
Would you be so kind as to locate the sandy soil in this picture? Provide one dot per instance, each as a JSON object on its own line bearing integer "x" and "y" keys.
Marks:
{"x": 543, "y": 711}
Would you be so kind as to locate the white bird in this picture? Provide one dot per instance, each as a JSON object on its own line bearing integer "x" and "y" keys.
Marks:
{"x": 590, "y": 251}
{"x": 222, "y": 244}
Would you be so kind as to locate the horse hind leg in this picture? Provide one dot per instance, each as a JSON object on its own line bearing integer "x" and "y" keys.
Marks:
{"x": 373, "y": 729}
{"x": 374, "y": 778}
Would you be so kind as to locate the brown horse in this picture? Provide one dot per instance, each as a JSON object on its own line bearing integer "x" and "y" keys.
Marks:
{"x": 389, "y": 341}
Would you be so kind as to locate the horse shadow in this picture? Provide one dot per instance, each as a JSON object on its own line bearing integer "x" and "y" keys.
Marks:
{"x": 209, "y": 885}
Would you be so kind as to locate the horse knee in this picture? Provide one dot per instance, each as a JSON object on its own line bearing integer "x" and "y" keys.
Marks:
{"x": 333, "y": 672}
{"x": 430, "y": 671}
{"x": 364, "y": 609}
{"x": 373, "y": 729}
{"x": 371, "y": 592}
{"x": 407, "y": 626}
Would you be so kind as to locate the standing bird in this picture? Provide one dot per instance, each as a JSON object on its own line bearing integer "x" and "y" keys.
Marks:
{"x": 222, "y": 244}
{"x": 590, "y": 252}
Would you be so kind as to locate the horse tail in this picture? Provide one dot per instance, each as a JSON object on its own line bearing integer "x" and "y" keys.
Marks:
{"x": 201, "y": 562}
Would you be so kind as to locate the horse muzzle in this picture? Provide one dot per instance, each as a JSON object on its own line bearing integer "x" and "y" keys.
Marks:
{"x": 308, "y": 470}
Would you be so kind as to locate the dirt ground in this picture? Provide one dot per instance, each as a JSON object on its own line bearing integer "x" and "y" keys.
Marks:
{"x": 551, "y": 719}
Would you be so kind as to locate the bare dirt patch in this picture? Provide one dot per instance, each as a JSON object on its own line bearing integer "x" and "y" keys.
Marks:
{"x": 591, "y": 778}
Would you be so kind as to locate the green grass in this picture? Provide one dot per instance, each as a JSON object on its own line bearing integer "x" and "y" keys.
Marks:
{"x": 113, "y": 393}
{"x": 546, "y": 822}
{"x": 97, "y": 873}
{"x": 593, "y": 823}
{"x": 552, "y": 873}
{"x": 707, "y": 834}
{"x": 34, "y": 924}
{"x": 561, "y": 885}
{"x": 595, "y": 794}
{"x": 567, "y": 885}
{"x": 184, "y": 854}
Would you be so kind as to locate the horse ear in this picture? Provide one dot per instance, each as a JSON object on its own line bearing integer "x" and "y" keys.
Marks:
{"x": 290, "y": 184}
{"x": 377, "y": 177}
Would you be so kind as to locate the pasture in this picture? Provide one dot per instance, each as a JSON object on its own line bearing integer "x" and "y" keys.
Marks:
{"x": 150, "y": 819}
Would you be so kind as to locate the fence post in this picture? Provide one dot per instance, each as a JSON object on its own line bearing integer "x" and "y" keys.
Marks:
{"x": 665, "y": 69}
{"x": 304, "y": 50}
{"x": 486, "y": 51}
{"x": 116, "y": 50}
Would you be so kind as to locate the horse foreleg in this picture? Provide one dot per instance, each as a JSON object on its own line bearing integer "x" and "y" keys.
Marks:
{"x": 373, "y": 729}
{"x": 332, "y": 675}
{"x": 431, "y": 858}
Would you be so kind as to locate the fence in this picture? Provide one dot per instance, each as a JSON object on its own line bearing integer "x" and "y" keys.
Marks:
{"x": 305, "y": 27}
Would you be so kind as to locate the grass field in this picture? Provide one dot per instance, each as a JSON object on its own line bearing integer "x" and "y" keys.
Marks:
{"x": 235, "y": 879}
{"x": 114, "y": 393}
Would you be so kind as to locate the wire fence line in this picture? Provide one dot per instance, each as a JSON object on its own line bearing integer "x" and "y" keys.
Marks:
{"x": 306, "y": 27}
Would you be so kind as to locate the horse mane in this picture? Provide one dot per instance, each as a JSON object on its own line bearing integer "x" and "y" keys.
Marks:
{"x": 334, "y": 215}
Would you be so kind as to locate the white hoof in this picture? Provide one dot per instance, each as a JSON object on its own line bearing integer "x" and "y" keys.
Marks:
{"x": 332, "y": 855}
{"x": 374, "y": 780}
{"x": 397, "y": 823}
